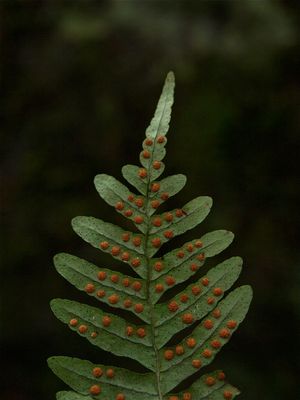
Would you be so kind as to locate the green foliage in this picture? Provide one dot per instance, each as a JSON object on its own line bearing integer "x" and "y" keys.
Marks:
{"x": 159, "y": 339}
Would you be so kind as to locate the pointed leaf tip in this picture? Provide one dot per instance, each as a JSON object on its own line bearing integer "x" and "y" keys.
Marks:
{"x": 170, "y": 76}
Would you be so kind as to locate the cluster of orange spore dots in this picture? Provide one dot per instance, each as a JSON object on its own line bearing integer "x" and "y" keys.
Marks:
{"x": 201, "y": 257}
{"x": 191, "y": 342}
{"x": 173, "y": 398}
{"x": 104, "y": 245}
{"x": 97, "y": 372}
{"x": 198, "y": 244}
{"x": 216, "y": 313}
{"x": 184, "y": 298}
{"x": 114, "y": 278}
{"x": 82, "y": 329}
{"x": 146, "y": 154}
{"x": 73, "y": 322}
{"x": 101, "y": 275}
{"x": 125, "y": 256}
{"x": 207, "y": 353}
{"x": 227, "y": 395}
{"x": 216, "y": 344}
{"x": 110, "y": 373}
{"x": 188, "y": 318}
{"x": 169, "y": 355}
{"x": 210, "y": 381}
{"x": 128, "y": 213}
{"x": 138, "y": 219}
{"x": 194, "y": 267}
{"x": 196, "y": 363}
{"x": 205, "y": 281}
{"x": 158, "y": 266}
{"x": 155, "y": 187}
{"x": 210, "y": 300}
{"x": 113, "y": 299}
{"x": 157, "y": 222}
{"x": 208, "y": 324}
{"x": 101, "y": 293}
{"x": 129, "y": 331}
{"x": 126, "y": 282}
{"x": 156, "y": 164}
{"x": 139, "y": 202}
{"x": 224, "y": 333}
{"x": 179, "y": 213}
{"x": 137, "y": 286}
{"x": 106, "y": 320}
{"x": 137, "y": 240}
{"x": 179, "y": 350}
{"x": 180, "y": 254}
{"x": 95, "y": 390}
{"x": 217, "y": 291}
{"x": 89, "y": 288}
{"x": 119, "y": 206}
{"x": 142, "y": 173}
{"x": 156, "y": 242}
{"x": 120, "y": 396}
{"x": 148, "y": 142}
{"x": 159, "y": 288}
{"x": 126, "y": 236}
{"x": 168, "y": 234}
{"x": 196, "y": 290}
{"x": 221, "y": 376}
{"x": 94, "y": 335}
{"x": 190, "y": 247}
{"x": 161, "y": 139}
{"x": 115, "y": 251}
{"x": 130, "y": 198}
{"x": 127, "y": 303}
{"x": 231, "y": 324}
{"x": 187, "y": 396}
{"x": 138, "y": 308}
{"x": 173, "y": 306}
{"x": 168, "y": 217}
{"x": 155, "y": 204}
{"x": 164, "y": 196}
{"x": 141, "y": 332}
{"x": 136, "y": 262}
{"x": 170, "y": 280}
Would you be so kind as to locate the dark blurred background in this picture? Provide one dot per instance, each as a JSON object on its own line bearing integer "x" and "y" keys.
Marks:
{"x": 80, "y": 81}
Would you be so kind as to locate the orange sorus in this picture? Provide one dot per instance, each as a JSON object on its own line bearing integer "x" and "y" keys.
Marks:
{"x": 169, "y": 354}
{"x": 106, "y": 320}
{"x": 188, "y": 318}
{"x": 170, "y": 280}
{"x": 104, "y": 245}
{"x": 101, "y": 293}
{"x": 97, "y": 372}
{"x": 95, "y": 389}
{"x": 155, "y": 204}
{"x": 136, "y": 262}
{"x": 119, "y": 206}
{"x": 173, "y": 306}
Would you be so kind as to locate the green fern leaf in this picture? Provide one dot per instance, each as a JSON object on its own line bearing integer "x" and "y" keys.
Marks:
{"x": 161, "y": 316}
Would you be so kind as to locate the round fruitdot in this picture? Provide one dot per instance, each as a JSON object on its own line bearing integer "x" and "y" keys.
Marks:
{"x": 146, "y": 154}
{"x": 95, "y": 389}
{"x": 164, "y": 196}
{"x": 148, "y": 142}
{"x": 101, "y": 293}
{"x": 208, "y": 324}
{"x": 159, "y": 288}
{"x": 82, "y": 328}
{"x": 104, "y": 245}
{"x": 106, "y": 320}
{"x": 119, "y": 205}
{"x": 187, "y": 396}
{"x": 207, "y": 353}
{"x": 142, "y": 173}
{"x": 231, "y": 324}
{"x": 89, "y": 288}
{"x": 196, "y": 363}
{"x": 161, "y": 139}
{"x": 173, "y": 306}
{"x": 101, "y": 275}
{"x": 97, "y": 372}
{"x": 210, "y": 381}
{"x": 136, "y": 262}
{"x": 179, "y": 350}
{"x": 156, "y": 164}
{"x": 155, "y": 204}
{"x": 155, "y": 187}
{"x": 191, "y": 342}
{"x": 110, "y": 373}
{"x": 139, "y": 308}
{"x": 141, "y": 332}
{"x": 227, "y": 395}
{"x": 169, "y": 354}
{"x": 224, "y": 333}
{"x": 73, "y": 322}
{"x": 168, "y": 217}
{"x": 217, "y": 291}
{"x": 188, "y": 318}
{"x": 120, "y": 396}
{"x": 138, "y": 219}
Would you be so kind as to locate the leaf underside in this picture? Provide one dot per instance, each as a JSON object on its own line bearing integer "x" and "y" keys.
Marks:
{"x": 203, "y": 305}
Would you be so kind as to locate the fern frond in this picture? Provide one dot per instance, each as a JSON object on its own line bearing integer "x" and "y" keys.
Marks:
{"x": 201, "y": 305}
